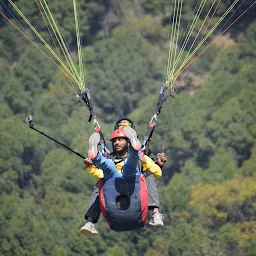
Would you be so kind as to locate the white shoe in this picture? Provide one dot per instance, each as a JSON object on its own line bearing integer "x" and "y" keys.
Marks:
{"x": 88, "y": 229}
{"x": 94, "y": 140}
{"x": 157, "y": 220}
{"x": 132, "y": 136}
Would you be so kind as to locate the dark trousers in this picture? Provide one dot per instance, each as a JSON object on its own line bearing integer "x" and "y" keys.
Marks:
{"x": 93, "y": 210}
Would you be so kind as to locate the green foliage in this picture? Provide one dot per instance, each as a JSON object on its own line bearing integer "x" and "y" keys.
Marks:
{"x": 248, "y": 167}
{"x": 189, "y": 239}
{"x": 11, "y": 45}
{"x": 222, "y": 166}
{"x": 116, "y": 250}
{"x": 203, "y": 64}
{"x": 208, "y": 133}
{"x": 180, "y": 187}
{"x": 37, "y": 74}
{"x": 64, "y": 19}
{"x": 152, "y": 6}
{"x": 122, "y": 67}
{"x": 4, "y": 71}
{"x": 231, "y": 201}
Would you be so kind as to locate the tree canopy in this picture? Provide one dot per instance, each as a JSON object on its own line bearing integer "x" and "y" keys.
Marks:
{"x": 208, "y": 131}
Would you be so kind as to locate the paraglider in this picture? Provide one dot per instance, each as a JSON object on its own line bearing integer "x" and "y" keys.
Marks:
{"x": 123, "y": 197}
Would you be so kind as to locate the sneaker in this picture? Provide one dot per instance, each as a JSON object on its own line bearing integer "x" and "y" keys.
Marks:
{"x": 157, "y": 220}
{"x": 93, "y": 145}
{"x": 88, "y": 229}
{"x": 132, "y": 136}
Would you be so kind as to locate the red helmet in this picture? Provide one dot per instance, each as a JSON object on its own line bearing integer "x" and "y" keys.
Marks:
{"x": 119, "y": 133}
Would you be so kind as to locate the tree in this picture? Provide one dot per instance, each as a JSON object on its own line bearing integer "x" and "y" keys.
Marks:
{"x": 123, "y": 67}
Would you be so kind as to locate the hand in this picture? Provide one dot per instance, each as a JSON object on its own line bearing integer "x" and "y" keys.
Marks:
{"x": 161, "y": 159}
{"x": 87, "y": 162}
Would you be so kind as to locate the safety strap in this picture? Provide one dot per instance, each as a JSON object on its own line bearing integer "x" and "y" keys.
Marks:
{"x": 163, "y": 96}
{"x": 85, "y": 98}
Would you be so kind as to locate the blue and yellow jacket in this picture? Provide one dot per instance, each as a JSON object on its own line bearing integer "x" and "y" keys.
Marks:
{"x": 149, "y": 165}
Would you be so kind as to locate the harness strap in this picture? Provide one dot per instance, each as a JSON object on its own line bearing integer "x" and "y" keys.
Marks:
{"x": 161, "y": 99}
{"x": 85, "y": 97}
{"x": 97, "y": 128}
{"x": 148, "y": 136}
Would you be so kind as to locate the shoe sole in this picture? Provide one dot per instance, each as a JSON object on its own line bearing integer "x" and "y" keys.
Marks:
{"x": 156, "y": 225}
{"x": 87, "y": 232}
{"x": 93, "y": 145}
{"x": 132, "y": 136}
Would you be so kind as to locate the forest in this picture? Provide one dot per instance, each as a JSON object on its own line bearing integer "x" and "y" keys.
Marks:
{"x": 207, "y": 131}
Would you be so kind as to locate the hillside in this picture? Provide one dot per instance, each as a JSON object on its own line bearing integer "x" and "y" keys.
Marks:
{"x": 208, "y": 131}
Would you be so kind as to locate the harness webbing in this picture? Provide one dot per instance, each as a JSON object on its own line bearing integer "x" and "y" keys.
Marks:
{"x": 85, "y": 98}
{"x": 163, "y": 96}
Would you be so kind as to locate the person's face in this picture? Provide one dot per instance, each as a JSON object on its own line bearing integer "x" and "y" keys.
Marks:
{"x": 123, "y": 123}
{"x": 120, "y": 144}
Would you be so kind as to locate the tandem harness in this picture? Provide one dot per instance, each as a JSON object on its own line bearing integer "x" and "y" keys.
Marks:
{"x": 124, "y": 201}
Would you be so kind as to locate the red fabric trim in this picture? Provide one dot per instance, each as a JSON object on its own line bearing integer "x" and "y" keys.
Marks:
{"x": 143, "y": 198}
{"x": 102, "y": 202}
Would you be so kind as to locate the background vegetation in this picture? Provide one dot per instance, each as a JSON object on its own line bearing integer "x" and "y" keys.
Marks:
{"x": 208, "y": 132}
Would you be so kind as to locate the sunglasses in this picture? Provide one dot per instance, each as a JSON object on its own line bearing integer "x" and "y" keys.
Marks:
{"x": 124, "y": 123}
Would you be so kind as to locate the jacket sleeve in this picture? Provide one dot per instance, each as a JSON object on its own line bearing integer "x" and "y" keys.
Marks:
{"x": 95, "y": 172}
{"x": 152, "y": 167}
